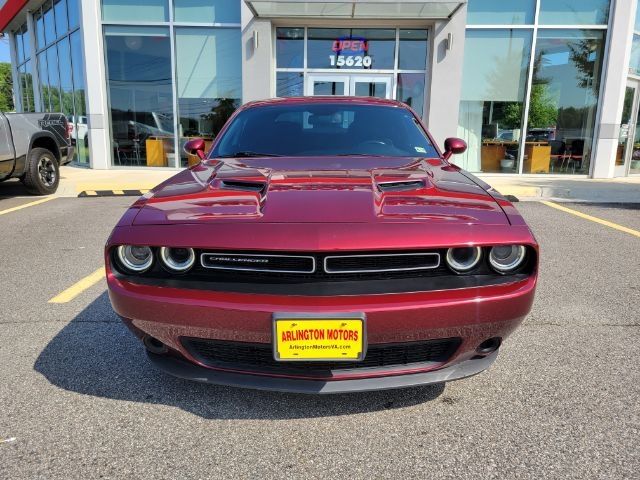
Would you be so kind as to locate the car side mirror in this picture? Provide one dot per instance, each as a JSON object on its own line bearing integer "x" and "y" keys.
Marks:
{"x": 454, "y": 146}
{"x": 195, "y": 146}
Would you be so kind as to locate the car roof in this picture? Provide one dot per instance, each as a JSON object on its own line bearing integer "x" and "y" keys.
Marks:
{"x": 329, "y": 99}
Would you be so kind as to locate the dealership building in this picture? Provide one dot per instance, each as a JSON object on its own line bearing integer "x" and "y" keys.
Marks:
{"x": 535, "y": 87}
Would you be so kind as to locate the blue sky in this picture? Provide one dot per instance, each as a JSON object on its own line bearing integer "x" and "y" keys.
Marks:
{"x": 5, "y": 56}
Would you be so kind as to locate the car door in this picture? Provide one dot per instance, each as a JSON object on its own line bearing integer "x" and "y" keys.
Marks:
{"x": 7, "y": 154}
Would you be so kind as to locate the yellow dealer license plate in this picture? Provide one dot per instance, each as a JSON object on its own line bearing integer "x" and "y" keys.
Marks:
{"x": 320, "y": 339}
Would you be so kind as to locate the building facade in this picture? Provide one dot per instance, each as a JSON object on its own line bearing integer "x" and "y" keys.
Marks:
{"x": 535, "y": 87}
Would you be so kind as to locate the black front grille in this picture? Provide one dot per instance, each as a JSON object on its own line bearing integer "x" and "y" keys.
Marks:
{"x": 259, "y": 263}
{"x": 381, "y": 262}
{"x": 258, "y": 357}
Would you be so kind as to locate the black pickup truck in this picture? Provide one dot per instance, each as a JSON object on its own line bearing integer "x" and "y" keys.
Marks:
{"x": 32, "y": 148}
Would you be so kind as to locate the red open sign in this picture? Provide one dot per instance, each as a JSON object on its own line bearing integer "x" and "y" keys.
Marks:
{"x": 353, "y": 45}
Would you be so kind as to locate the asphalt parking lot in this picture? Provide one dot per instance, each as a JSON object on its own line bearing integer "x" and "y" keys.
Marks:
{"x": 78, "y": 399}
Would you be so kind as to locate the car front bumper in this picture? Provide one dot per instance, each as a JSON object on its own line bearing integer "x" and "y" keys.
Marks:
{"x": 473, "y": 315}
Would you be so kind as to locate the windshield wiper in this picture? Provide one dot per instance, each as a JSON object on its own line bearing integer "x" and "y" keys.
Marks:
{"x": 248, "y": 154}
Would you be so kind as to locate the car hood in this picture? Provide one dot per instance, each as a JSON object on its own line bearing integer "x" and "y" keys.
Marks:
{"x": 300, "y": 190}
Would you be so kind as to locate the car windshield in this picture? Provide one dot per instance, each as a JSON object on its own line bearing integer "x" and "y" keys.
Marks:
{"x": 321, "y": 129}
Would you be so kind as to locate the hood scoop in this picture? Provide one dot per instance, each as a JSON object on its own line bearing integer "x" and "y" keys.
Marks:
{"x": 401, "y": 185}
{"x": 244, "y": 185}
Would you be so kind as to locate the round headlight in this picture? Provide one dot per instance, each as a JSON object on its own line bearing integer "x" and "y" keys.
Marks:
{"x": 464, "y": 259}
{"x": 134, "y": 258}
{"x": 506, "y": 258}
{"x": 177, "y": 259}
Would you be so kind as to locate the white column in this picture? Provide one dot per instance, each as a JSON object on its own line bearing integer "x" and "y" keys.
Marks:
{"x": 616, "y": 69}
{"x": 257, "y": 60}
{"x": 445, "y": 88}
{"x": 95, "y": 85}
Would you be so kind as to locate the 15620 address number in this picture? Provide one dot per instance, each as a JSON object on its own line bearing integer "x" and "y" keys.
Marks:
{"x": 350, "y": 61}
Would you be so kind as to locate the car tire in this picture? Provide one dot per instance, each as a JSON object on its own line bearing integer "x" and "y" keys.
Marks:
{"x": 42, "y": 175}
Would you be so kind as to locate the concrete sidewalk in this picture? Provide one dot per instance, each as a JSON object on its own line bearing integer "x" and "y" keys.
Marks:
{"x": 616, "y": 190}
{"x": 75, "y": 180}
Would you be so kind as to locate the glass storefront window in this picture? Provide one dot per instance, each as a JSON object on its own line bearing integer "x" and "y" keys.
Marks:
{"x": 126, "y": 10}
{"x": 209, "y": 80}
{"x": 574, "y": 12}
{"x": 73, "y": 9}
{"x": 563, "y": 100}
{"x": 412, "y": 51}
{"x": 500, "y": 12}
{"x": 210, "y": 11}
{"x": 634, "y": 61}
{"x": 54, "y": 79}
{"x": 344, "y": 48}
{"x": 49, "y": 23}
{"x": 289, "y": 84}
{"x": 492, "y": 104}
{"x": 140, "y": 95}
{"x": 79, "y": 102}
{"x": 66, "y": 82}
{"x": 39, "y": 21}
{"x": 44, "y": 81}
{"x": 290, "y": 47}
{"x": 60, "y": 10}
{"x": 411, "y": 90}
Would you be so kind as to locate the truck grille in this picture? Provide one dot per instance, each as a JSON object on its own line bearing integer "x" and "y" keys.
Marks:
{"x": 259, "y": 357}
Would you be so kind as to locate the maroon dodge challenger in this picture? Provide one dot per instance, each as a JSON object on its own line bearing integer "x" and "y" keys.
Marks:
{"x": 323, "y": 245}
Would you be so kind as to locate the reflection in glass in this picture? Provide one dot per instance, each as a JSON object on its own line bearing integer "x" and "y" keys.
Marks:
{"x": 322, "y": 87}
{"x": 290, "y": 47}
{"x": 43, "y": 75}
{"x": 370, "y": 89}
{"x": 66, "y": 83}
{"x": 140, "y": 95}
{"x": 49, "y": 23}
{"x": 411, "y": 90}
{"x": 500, "y": 12}
{"x": 207, "y": 11}
{"x": 54, "y": 79}
{"x": 493, "y": 91}
{"x": 412, "y": 51}
{"x": 126, "y": 10}
{"x": 60, "y": 9}
{"x": 26, "y": 86}
{"x": 289, "y": 84}
{"x": 326, "y": 47}
{"x": 634, "y": 61}
{"x": 40, "y": 41}
{"x": 574, "y": 12}
{"x": 74, "y": 13}
{"x": 209, "y": 81}
{"x": 563, "y": 100}
{"x": 80, "y": 121}
{"x": 624, "y": 144}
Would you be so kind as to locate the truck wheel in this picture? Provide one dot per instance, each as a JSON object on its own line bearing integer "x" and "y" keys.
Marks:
{"x": 43, "y": 174}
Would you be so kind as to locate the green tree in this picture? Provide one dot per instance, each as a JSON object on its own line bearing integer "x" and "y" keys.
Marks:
{"x": 6, "y": 88}
{"x": 543, "y": 111}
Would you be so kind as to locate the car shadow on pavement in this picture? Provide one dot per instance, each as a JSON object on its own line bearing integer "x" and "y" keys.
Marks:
{"x": 13, "y": 188}
{"x": 95, "y": 354}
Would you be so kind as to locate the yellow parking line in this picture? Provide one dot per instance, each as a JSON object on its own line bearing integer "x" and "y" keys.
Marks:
{"x": 30, "y": 204}
{"x": 77, "y": 288}
{"x": 91, "y": 193}
{"x": 593, "y": 219}
{"x": 118, "y": 192}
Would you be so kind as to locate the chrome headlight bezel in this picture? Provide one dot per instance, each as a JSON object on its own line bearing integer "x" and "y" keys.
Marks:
{"x": 177, "y": 267}
{"x": 512, "y": 266}
{"x": 458, "y": 267}
{"x": 123, "y": 254}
